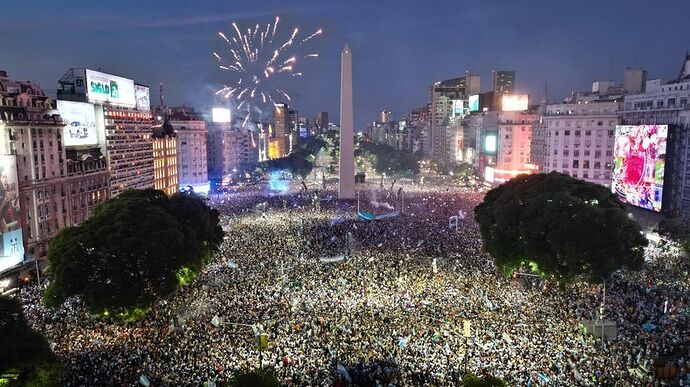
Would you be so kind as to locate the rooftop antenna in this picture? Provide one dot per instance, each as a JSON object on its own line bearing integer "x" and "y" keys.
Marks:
{"x": 611, "y": 69}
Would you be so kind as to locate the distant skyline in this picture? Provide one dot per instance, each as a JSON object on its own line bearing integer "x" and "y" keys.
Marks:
{"x": 398, "y": 47}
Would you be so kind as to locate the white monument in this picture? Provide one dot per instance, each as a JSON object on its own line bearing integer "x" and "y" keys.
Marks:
{"x": 346, "y": 181}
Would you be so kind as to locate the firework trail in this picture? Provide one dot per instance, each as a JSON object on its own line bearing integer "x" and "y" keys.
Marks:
{"x": 259, "y": 61}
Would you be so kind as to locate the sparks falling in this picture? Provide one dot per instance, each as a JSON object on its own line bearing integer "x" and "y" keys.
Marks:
{"x": 259, "y": 62}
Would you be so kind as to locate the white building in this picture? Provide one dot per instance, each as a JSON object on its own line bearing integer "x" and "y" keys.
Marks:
{"x": 579, "y": 139}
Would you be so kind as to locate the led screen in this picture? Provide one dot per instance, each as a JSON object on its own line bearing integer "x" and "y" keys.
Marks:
{"x": 220, "y": 115}
{"x": 514, "y": 102}
{"x": 143, "y": 97}
{"x": 81, "y": 123}
{"x": 639, "y": 158}
{"x": 11, "y": 244}
{"x": 490, "y": 143}
{"x": 106, "y": 88}
{"x": 474, "y": 103}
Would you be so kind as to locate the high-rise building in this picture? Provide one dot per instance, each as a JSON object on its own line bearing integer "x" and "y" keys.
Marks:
{"x": 501, "y": 140}
{"x": 47, "y": 184}
{"x": 122, "y": 128}
{"x": 503, "y": 82}
{"x": 280, "y": 130}
{"x": 230, "y": 149}
{"x": 322, "y": 122}
{"x": 165, "y": 169}
{"x": 192, "y": 158}
{"x": 385, "y": 116}
{"x": 442, "y": 95}
{"x": 667, "y": 104}
{"x": 579, "y": 139}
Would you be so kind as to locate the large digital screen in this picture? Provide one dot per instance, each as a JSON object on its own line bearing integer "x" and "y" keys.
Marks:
{"x": 11, "y": 245}
{"x": 106, "y": 88}
{"x": 474, "y": 103}
{"x": 220, "y": 115}
{"x": 639, "y": 159}
{"x": 490, "y": 143}
{"x": 515, "y": 102}
{"x": 143, "y": 97}
{"x": 81, "y": 123}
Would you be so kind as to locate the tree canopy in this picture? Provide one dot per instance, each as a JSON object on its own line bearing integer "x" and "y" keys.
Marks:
{"x": 563, "y": 226}
{"x": 25, "y": 358}
{"x": 133, "y": 250}
{"x": 387, "y": 159}
{"x": 299, "y": 162}
{"x": 471, "y": 380}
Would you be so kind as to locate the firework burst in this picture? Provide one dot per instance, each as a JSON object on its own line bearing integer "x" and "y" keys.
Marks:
{"x": 259, "y": 62}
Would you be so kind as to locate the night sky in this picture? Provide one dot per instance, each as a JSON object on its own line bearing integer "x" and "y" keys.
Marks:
{"x": 399, "y": 47}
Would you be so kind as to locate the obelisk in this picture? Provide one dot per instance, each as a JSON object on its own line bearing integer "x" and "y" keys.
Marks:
{"x": 346, "y": 181}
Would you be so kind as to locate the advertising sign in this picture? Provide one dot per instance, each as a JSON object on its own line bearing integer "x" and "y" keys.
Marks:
{"x": 11, "y": 244}
{"x": 490, "y": 143}
{"x": 81, "y": 123}
{"x": 220, "y": 115}
{"x": 474, "y": 103}
{"x": 639, "y": 159}
{"x": 515, "y": 102}
{"x": 106, "y": 88}
{"x": 143, "y": 97}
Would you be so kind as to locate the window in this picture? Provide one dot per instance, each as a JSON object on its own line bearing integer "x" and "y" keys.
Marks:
{"x": 576, "y": 163}
{"x": 576, "y": 153}
{"x": 610, "y": 133}
{"x": 589, "y": 132}
{"x": 577, "y": 133}
{"x": 659, "y": 104}
{"x": 585, "y": 164}
{"x": 567, "y": 133}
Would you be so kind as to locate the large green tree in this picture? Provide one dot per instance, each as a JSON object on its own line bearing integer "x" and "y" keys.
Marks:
{"x": 565, "y": 226}
{"x": 131, "y": 251}
{"x": 25, "y": 358}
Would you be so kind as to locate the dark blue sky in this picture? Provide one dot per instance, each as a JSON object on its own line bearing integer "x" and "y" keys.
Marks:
{"x": 399, "y": 47}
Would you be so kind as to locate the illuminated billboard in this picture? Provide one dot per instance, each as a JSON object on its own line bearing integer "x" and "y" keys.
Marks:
{"x": 639, "y": 159}
{"x": 12, "y": 245}
{"x": 220, "y": 115}
{"x": 143, "y": 97}
{"x": 474, "y": 103}
{"x": 81, "y": 123}
{"x": 515, "y": 102}
{"x": 490, "y": 143}
{"x": 106, "y": 88}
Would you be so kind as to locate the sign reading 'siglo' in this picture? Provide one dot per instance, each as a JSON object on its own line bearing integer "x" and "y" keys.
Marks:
{"x": 106, "y": 88}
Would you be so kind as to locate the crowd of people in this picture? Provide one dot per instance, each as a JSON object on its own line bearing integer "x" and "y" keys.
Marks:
{"x": 409, "y": 301}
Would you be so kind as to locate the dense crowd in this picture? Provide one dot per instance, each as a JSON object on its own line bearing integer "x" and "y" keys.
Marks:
{"x": 406, "y": 301}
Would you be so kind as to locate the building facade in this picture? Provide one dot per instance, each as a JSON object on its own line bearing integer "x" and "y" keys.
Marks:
{"x": 579, "y": 139}
{"x": 667, "y": 104}
{"x": 165, "y": 156}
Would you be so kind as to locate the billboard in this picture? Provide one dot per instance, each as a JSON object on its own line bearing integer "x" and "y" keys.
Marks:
{"x": 81, "y": 123}
{"x": 106, "y": 88}
{"x": 11, "y": 244}
{"x": 490, "y": 143}
{"x": 515, "y": 102}
{"x": 220, "y": 115}
{"x": 474, "y": 103}
{"x": 639, "y": 159}
{"x": 143, "y": 97}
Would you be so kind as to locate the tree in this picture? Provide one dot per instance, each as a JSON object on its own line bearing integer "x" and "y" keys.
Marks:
{"x": 387, "y": 159}
{"x": 562, "y": 226}
{"x": 25, "y": 358}
{"x": 132, "y": 251}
